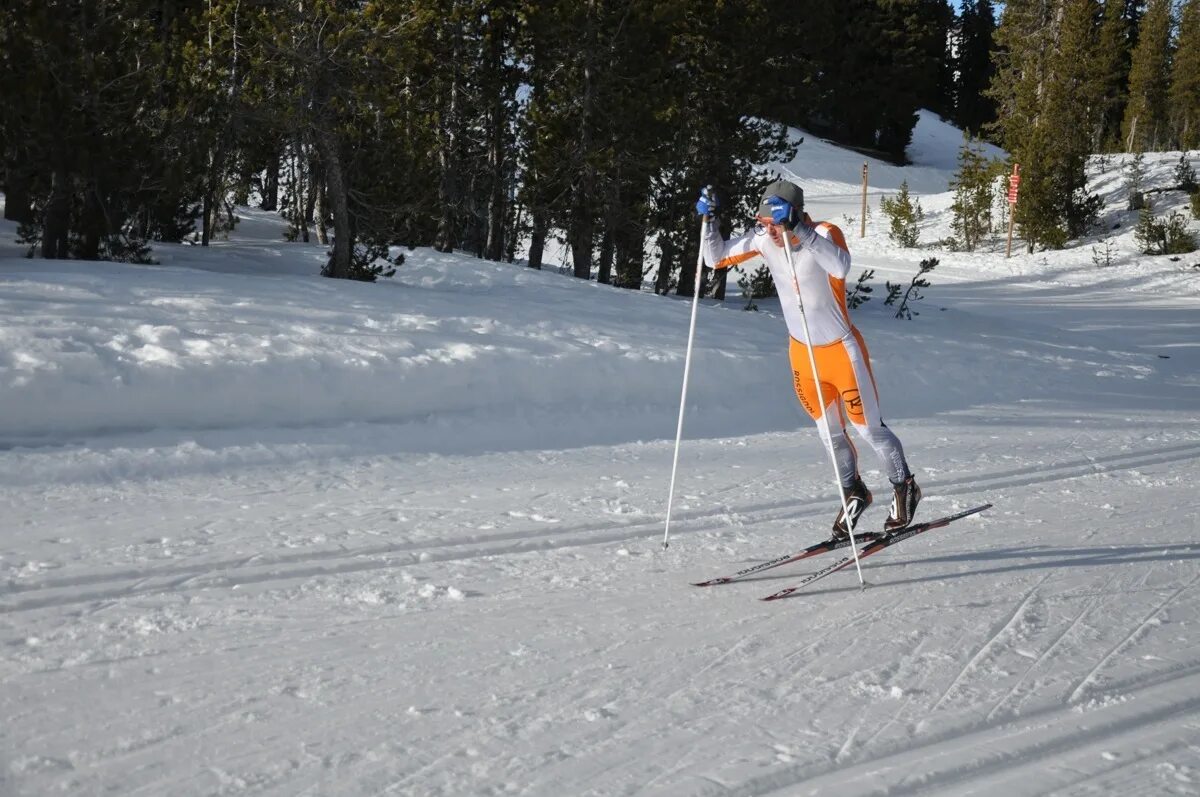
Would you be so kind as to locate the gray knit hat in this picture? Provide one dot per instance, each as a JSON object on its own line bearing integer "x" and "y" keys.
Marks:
{"x": 787, "y": 191}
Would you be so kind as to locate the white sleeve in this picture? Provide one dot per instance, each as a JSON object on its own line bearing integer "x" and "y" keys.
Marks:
{"x": 720, "y": 254}
{"x": 829, "y": 256}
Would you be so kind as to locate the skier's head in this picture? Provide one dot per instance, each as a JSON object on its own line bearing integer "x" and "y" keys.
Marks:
{"x": 787, "y": 191}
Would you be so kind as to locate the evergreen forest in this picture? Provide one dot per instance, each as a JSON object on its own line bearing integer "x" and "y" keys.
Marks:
{"x": 497, "y": 126}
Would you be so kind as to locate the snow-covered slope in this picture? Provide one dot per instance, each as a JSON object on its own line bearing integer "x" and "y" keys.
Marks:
{"x": 269, "y": 533}
{"x": 824, "y": 168}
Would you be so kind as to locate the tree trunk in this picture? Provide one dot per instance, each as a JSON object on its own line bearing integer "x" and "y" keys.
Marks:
{"x": 537, "y": 240}
{"x": 615, "y": 217}
{"x": 56, "y": 224}
{"x": 18, "y": 198}
{"x": 93, "y": 224}
{"x": 511, "y": 225}
{"x": 476, "y": 237}
{"x": 214, "y": 183}
{"x": 270, "y": 199}
{"x": 320, "y": 199}
{"x": 581, "y": 239}
{"x": 718, "y": 286}
{"x": 582, "y": 223}
{"x": 206, "y": 217}
{"x": 339, "y": 195}
{"x": 687, "y": 275}
{"x": 666, "y": 265}
{"x": 312, "y": 183}
{"x": 214, "y": 190}
{"x": 298, "y": 193}
{"x": 445, "y": 238}
{"x": 630, "y": 245}
{"x": 496, "y": 211}
{"x": 604, "y": 271}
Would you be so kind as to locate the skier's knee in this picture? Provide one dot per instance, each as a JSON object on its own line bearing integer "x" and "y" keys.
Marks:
{"x": 831, "y": 437}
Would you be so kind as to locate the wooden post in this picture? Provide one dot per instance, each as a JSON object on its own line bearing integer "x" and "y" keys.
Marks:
{"x": 1014, "y": 185}
{"x": 863, "y": 230}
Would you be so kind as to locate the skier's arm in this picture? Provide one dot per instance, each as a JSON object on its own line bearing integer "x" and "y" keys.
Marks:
{"x": 828, "y": 247}
{"x": 721, "y": 254}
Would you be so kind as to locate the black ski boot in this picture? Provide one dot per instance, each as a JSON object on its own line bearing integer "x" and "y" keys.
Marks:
{"x": 904, "y": 505}
{"x": 858, "y": 498}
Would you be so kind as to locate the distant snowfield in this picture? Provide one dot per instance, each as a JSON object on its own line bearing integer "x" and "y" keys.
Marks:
{"x": 270, "y": 533}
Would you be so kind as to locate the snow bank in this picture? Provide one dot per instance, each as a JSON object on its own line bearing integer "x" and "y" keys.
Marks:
{"x": 233, "y": 337}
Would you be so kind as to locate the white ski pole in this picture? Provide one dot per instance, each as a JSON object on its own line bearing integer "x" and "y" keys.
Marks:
{"x": 687, "y": 368}
{"x": 812, "y": 361}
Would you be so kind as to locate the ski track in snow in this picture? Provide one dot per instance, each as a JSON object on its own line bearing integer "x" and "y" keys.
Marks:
{"x": 993, "y": 636}
{"x": 1088, "y": 608}
{"x": 261, "y": 568}
{"x": 1089, "y": 679}
{"x": 999, "y": 756}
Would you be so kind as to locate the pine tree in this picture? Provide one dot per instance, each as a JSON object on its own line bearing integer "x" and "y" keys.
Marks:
{"x": 499, "y": 80}
{"x": 631, "y": 108}
{"x": 912, "y": 293}
{"x": 758, "y": 285}
{"x": 634, "y": 132}
{"x": 561, "y": 146}
{"x": 536, "y": 162}
{"x": 1135, "y": 181}
{"x": 1146, "y": 125}
{"x": 350, "y": 89}
{"x": 973, "y": 108}
{"x": 708, "y": 68}
{"x": 910, "y": 39}
{"x": 1184, "y": 175}
{"x": 904, "y": 216}
{"x": 972, "y": 206}
{"x": 86, "y": 87}
{"x": 1048, "y": 99}
{"x": 1074, "y": 98}
{"x": 1183, "y": 98}
{"x": 1170, "y": 236}
{"x": 214, "y": 71}
{"x": 1112, "y": 71}
{"x": 1023, "y": 42}
{"x": 16, "y": 171}
{"x": 832, "y": 58}
{"x": 860, "y": 294}
{"x": 939, "y": 96}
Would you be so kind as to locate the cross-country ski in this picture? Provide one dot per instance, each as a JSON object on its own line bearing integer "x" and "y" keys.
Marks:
{"x": 873, "y": 547}
{"x": 813, "y": 550}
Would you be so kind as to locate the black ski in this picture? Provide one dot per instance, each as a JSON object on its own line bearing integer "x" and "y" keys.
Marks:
{"x": 875, "y": 546}
{"x": 812, "y": 550}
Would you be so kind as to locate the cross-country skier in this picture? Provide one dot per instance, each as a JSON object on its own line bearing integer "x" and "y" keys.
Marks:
{"x": 821, "y": 261}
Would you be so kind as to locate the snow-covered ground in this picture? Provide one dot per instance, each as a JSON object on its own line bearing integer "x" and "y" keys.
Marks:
{"x": 269, "y": 533}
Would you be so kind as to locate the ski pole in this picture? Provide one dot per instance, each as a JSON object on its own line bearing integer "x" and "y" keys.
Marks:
{"x": 812, "y": 361}
{"x": 687, "y": 367}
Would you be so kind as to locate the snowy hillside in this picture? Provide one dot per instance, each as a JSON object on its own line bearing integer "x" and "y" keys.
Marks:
{"x": 274, "y": 534}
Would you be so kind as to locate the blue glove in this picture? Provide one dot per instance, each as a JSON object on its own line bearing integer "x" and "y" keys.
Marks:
{"x": 782, "y": 212}
{"x": 708, "y": 204}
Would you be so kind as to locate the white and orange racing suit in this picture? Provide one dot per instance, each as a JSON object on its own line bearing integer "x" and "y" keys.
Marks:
{"x": 822, "y": 262}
